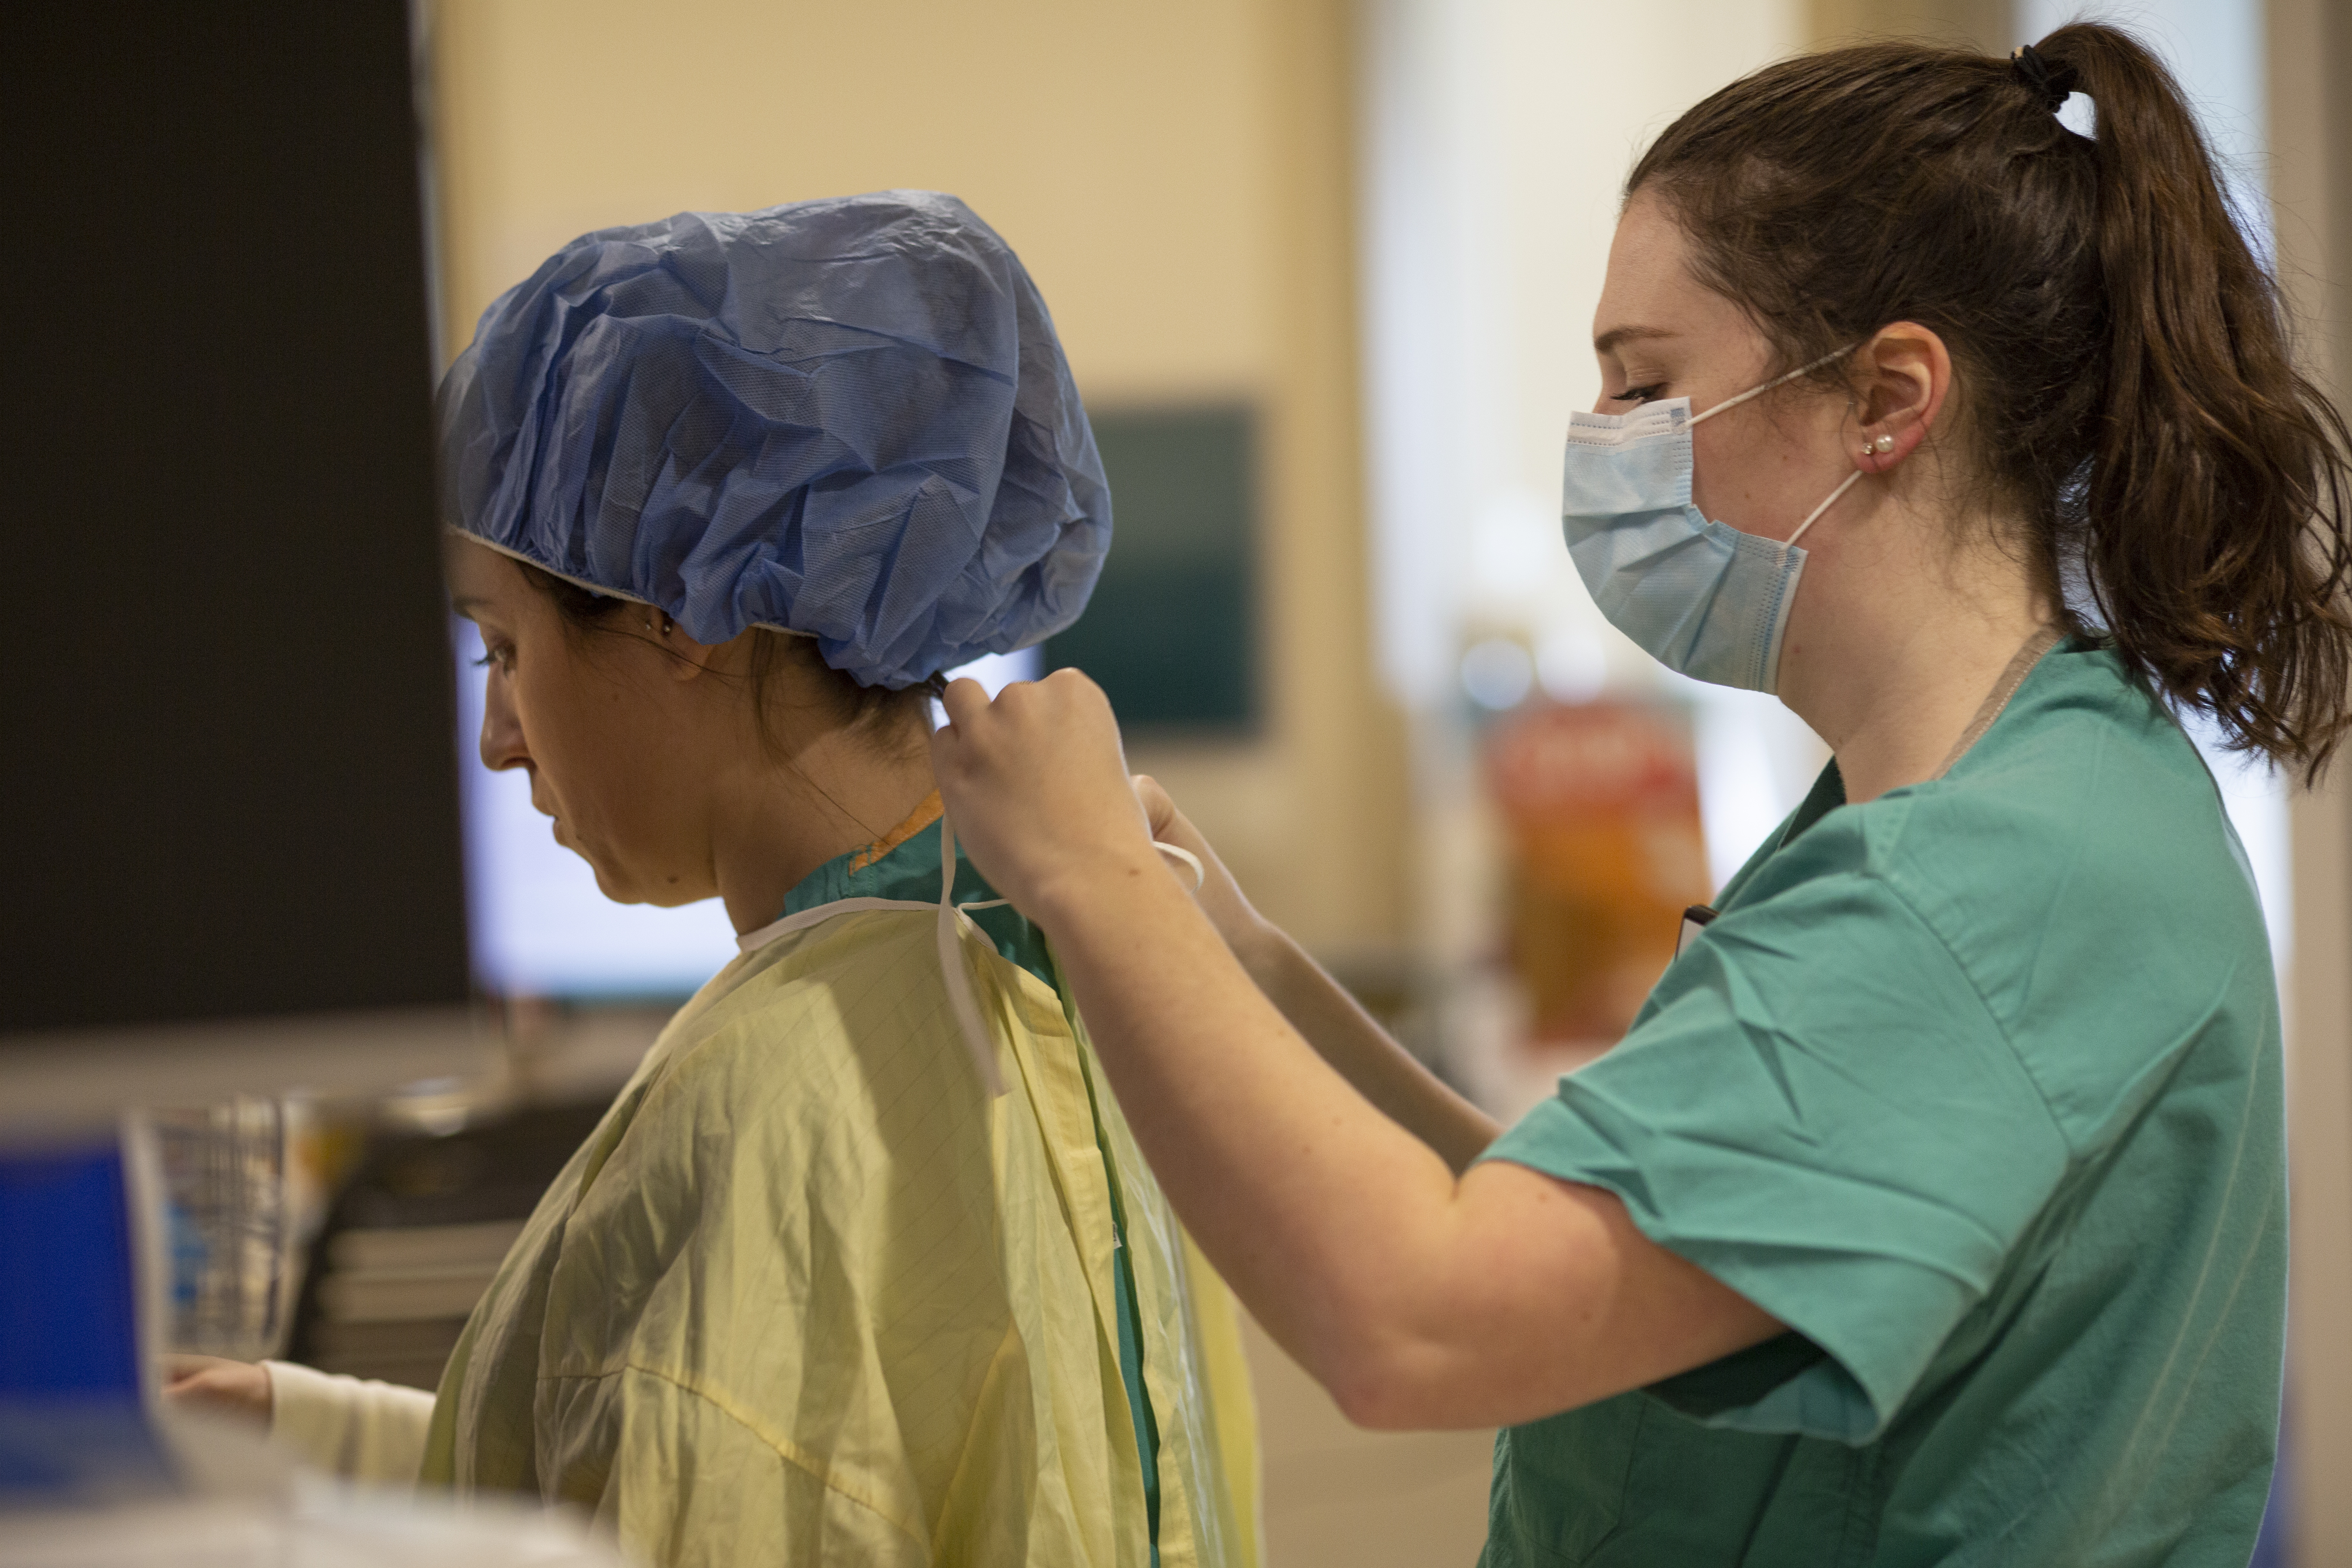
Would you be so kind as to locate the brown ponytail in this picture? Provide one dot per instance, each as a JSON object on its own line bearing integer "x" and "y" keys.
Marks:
{"x": 2123, "y": 359}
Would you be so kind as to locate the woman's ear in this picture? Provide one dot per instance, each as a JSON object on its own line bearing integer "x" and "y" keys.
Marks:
{"x": 1902, "y": 376}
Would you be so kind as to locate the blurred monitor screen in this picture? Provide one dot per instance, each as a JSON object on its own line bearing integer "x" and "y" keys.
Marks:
{"x": 540, "y": 926}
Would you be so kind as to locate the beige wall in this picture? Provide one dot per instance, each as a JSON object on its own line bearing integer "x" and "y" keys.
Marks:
{"x": 1982, "y": 23}
{"x": 1177, "y": 179}
{"x": 1122, "y": 153}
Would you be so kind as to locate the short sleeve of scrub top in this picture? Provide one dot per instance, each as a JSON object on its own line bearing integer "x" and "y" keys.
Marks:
{"x": 1818, "y": 1109}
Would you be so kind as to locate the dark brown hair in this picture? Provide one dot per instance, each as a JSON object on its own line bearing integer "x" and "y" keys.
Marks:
{"x": 888, "y": 717}
{"x": 2123, "y": 367}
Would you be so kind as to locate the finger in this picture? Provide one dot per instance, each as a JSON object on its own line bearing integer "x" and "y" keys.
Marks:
{"x": 1178, "y": 830}
{"x": 1169, "y": 824}
{"x": 1070, "y": 681}
{"x": 180, "y": 1366}
{"x": 202, "y": 1388}
{"x": 964, "y": 700}
{"x": 1157, "y": 808}
{"x": 948, "y": 756}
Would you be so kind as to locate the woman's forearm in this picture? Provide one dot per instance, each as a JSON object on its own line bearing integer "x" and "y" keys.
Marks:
{"x": 1366, "y": 1054}
{"x": 1418, "y": 1297}
{"x": 1306, "y": 1197}
{"x": 1318, "y": 1006}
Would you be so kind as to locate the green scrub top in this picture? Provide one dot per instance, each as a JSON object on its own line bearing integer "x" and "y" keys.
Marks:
{"x": 1977, "y": 1087}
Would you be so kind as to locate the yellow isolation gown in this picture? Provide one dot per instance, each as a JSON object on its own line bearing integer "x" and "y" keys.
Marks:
{"x": 811, "y": 1294}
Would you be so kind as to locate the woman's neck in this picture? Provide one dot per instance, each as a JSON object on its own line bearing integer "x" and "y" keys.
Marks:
{"x": 1894, "y": 649}
{"x": 778, "y": 823}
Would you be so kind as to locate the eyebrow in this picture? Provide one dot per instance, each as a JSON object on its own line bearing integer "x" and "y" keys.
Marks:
{"x": 1608, "y": 339}
{"x": 466, "y": 604}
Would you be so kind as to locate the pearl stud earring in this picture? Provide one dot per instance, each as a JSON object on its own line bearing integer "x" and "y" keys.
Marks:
{"x": 1878, "y": 445}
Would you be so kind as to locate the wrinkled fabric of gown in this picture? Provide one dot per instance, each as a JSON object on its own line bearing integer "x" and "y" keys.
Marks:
{"x": 809, "y": 1294}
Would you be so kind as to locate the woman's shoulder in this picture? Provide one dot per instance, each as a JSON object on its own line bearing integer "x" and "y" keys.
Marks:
{"x": 2077, "y": 867}
{"x": 2084, "y": 798}
{"x": 811, "y": 1020}
{"x": 2086, "y": 802}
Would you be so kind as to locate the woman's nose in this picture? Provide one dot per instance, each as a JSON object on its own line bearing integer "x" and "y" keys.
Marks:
{"x": 502, "y": 743}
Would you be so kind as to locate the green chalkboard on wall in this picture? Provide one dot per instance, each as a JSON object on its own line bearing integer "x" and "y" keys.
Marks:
{"x": 1172, "y": 631}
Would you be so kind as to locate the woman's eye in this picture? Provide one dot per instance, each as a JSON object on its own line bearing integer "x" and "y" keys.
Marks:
{"x": 502, "y": 656}
{"x": 1638, "y": 394}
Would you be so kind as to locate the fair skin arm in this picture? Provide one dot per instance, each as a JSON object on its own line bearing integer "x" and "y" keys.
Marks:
{"x": 1394, "y": 1279}
{"x": 1346, "y": 1037}
{"x": 1419, "y": 1296}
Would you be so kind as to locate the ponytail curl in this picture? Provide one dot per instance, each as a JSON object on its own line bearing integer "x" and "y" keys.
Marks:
{"x": 2125, "y": 371}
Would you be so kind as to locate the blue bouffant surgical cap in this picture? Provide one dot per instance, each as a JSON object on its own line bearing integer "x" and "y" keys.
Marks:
{"x": 848, "y": 418}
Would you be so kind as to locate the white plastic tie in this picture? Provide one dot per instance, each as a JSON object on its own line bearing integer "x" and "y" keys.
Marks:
{"x": 1178, "y": 852}
{"x": 951, "y": 923}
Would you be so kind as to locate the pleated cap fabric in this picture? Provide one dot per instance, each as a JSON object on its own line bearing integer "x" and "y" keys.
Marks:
{"x": 850, "y": 418}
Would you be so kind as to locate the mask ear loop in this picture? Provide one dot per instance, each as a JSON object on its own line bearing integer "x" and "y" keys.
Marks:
{"x": 1776, "y": 380}
{"x": 1789, "y": 542}
{"x": 1813, "y": 516}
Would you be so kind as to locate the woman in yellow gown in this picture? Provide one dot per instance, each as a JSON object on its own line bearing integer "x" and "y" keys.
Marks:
{"x": 863, "y": 1265}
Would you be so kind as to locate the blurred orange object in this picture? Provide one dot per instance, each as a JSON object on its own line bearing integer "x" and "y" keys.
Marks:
{"x": 1602, "y": 804}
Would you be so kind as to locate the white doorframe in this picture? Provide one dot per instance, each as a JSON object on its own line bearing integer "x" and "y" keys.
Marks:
{"x": 2310, "y": 52}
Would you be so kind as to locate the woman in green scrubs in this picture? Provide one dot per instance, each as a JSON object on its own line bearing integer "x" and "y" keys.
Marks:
{"x": 1933, "y": 1209}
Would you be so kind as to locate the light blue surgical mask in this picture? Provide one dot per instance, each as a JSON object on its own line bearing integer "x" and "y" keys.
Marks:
{"x": 1699, "y": 596}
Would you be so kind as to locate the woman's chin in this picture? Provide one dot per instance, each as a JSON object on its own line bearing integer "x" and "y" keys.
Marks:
{"x": 610, "y": 881}
{"x": 622, "y": 889}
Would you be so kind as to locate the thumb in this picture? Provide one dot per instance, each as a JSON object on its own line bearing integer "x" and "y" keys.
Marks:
{"x": 1158, "y": 810}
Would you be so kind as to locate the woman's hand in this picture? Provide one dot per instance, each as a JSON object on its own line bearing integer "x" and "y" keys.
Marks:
{"x": 1219, "y": 896}
{"x": 1038, "y": 792}
{"x": 219, "y": 1386}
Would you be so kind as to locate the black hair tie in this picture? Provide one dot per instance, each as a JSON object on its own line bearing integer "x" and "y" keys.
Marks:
{"x": 2051, "y": 85}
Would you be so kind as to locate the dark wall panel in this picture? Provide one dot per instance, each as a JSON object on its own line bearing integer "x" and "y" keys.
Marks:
{"x": 1171, "y": 630}
{"x": 230, "y": 784}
